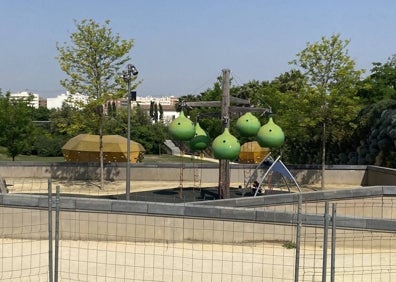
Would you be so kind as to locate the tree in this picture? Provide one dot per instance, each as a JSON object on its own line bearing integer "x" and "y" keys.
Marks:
{"x": 92, "y": 60}
{"x": 161, "y": 112}
{"x": 376, "y": 134}
{"x": 16, "y": 124}
{"x": 381, "y": 84}
{"x": 331, "y": 75}
{"x": 155, "y": 113}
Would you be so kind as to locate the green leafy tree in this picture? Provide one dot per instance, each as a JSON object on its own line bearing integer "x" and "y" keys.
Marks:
{"x": 151, "y": 113}
{"x": 331, "y": 75}
{"x": 161, "y": 112}
{"x": 380, "y": 84}
{"x": 92, "y": 61}
{"x": 155, "y": 112}
{"x": 69, "y": 121}
{"x": 151, "y": 136}
{"x": 16, "y": 126}
{"x": 292, "y": 110}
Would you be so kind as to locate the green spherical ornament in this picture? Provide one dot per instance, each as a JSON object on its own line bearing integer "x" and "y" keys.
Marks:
{"x": 248, "y": 125}
{"x": 181, "y": 128}
{"x": 270, "y": 135}
{"x": 201, "y": 140}
{"x": 226, "y": 146}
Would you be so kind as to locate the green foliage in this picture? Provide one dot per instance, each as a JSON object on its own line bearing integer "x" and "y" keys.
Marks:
{"x": 144, "y": 131}
{"x": 92, "y": 61}
{"x": 381, "y": 84}
{"x": 72, "y": 121}
{"x": 16, "y": 124}
{"x": 375, "y": 137}
{"x": 325, "y": 87}
{"x": 48, "y": 145}
{"x": 330, "y": 97}
{"x": 289, "y": 245}
{"x": 41, "y": 114}
{"x": 160, "y": 112}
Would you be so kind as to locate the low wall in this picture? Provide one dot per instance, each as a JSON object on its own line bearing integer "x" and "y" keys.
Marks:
{"x": 208, "y": 172}
{"x": 369, "y": 208}
{"x": 380, "y": 176}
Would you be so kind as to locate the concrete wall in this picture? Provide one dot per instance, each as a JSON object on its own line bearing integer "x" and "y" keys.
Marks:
{"x": 209, "y": 173}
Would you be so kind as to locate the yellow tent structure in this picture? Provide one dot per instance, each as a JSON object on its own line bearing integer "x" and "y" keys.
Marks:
{"x": 252, "y": 153}
{"x": 85, "y": 148}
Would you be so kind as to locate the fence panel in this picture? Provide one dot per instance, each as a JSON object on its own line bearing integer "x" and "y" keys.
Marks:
{"x": 128, "y": 247}
{"x": 112, "y": 240}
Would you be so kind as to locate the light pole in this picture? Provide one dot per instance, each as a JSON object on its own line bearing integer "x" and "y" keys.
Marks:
{"x": 127, "y": 76}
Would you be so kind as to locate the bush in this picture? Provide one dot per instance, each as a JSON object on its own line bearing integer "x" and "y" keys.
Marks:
{"x": 49, "y": 146}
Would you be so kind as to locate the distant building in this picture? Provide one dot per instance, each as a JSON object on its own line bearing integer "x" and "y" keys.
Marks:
{"x": 168, "y": 105}
{"x": 167, "y": 102}
{"x": 24, "y": 95}
{"x": 58, "y": 101}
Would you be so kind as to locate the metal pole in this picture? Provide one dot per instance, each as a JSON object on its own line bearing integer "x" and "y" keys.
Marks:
{"x": 50, "y": 271}
{"x": 325, "y": 241}
{"x": 127, "y": 76}
{"x": 56, "y": 233}
{"x": 128, "y": 169}
{"x": 333, "y": 241}
{"x": 298, "y": 239}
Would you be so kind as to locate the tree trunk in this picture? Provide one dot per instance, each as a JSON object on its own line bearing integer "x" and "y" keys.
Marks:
{"x": 101, "y": 153}
{"x": 224, "y": 165}
{"x": 323, "y": 155}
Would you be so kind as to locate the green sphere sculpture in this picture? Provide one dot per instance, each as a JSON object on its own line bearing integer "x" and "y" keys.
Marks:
{"x": 248, "y": 125}
{"x": 181, "y": 128}
{"x": 201, "y": 139}
{"x": 270, "y": 135}
{"x": 226, "y": 146}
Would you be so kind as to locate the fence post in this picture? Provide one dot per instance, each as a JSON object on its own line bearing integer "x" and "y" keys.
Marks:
{"x": 325, "y": 241}
{"x": 298, "y": 239}
{"x": 333, "y": 241}
{"x": 57, "y": 233}
{"x": 50, "y": 261}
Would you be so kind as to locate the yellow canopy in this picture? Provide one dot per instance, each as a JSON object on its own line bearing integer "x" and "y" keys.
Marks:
{"x": 85, "y": 148}
{"x": 252, "y": 153}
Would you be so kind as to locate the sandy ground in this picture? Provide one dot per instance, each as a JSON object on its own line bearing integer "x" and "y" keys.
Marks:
{"x": 138, "y": 261}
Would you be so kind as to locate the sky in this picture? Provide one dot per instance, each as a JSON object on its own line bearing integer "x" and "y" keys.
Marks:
{"x": 181, "y": 46}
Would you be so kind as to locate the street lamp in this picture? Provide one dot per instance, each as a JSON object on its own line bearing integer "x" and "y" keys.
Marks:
{"x": 127, "y": 76}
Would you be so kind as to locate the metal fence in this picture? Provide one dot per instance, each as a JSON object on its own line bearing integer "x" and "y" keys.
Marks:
{"x": 344, "y": 235}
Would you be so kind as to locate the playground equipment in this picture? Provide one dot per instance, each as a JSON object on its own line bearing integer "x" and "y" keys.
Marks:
{"x": 252, "y": 153}
{"x": 182, "y": 128}
{"x": 201, "y": 140}
{"x": 85, "y": 148}
{"x": 198, "y": 143}
{"x": 226, "y": 147}
{"x": 270, "y": 166}
{"x": 248, "y": 125}
{"x": 270, "y": 135}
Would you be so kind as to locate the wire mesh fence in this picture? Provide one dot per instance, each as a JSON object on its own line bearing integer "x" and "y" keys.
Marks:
{"x": 24, "y": 247}
{"x": 114, "y": 240}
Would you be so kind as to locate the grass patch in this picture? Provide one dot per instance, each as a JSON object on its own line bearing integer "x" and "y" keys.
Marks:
{"x": 289, "y": 245}
{"x": 147, "y": 159}
{"x": 24, "y": 158}
{"x": 170, "y": 159}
